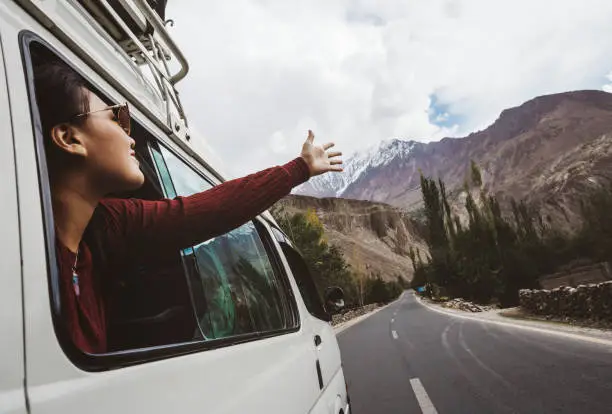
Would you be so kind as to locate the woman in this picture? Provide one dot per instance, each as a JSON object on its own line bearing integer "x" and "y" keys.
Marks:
{"x": 91, "y": 155}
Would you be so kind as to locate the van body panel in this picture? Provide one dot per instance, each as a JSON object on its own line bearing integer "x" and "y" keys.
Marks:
{"x": 12, "y": 377}
{"x": 269, "y": 376}
{"x": 328, "y": 351}
{"x": 333, "y": 400}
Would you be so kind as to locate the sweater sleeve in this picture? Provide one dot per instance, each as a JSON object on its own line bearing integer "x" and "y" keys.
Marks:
{"x": 138, "y": 226}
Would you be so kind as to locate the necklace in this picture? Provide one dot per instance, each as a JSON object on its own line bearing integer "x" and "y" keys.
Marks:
{"x": 75, "y": 276}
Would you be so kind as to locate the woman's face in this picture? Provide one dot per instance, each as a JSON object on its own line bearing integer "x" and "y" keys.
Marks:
{"x": 110, "y": 157}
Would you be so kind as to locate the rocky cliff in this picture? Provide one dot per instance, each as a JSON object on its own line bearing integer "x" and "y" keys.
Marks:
{"x": 374, "y": 237}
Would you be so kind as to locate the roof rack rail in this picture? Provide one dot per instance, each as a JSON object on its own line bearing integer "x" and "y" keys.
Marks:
{"x": 133, "y": 24}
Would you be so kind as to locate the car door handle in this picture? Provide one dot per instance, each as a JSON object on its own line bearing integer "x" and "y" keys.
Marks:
{"x": 317, "y": 340}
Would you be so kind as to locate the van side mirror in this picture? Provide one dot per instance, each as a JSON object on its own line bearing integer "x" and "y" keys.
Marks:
{"x": 334, "y": 299}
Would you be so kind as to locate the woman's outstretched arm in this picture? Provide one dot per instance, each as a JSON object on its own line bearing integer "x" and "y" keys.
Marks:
{"x": 142, "y": 226}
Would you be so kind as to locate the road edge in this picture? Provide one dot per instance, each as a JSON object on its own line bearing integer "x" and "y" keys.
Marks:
{"x": 338, "y": 329}
{"x": 525, "y": 325}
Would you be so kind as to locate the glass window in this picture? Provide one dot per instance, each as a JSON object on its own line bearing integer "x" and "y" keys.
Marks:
{"x": 185, "y": 180}
{"x": 239, "y": 286}
{"x": 162, "y": 171}
{"x": 234, "y": 286}
{"x": 305, "y": 283}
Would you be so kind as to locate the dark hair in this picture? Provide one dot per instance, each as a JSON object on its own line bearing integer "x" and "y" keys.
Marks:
{"x": 60, "y": 95}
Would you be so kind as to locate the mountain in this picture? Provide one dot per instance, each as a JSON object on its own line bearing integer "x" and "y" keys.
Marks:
{"x": 373, "y": 237}
{"x": 549, "y": 150}
{"x": 356, "y": 167}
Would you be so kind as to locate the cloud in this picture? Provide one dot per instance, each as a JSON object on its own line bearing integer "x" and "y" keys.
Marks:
{"x": 608, "y": 87}
{"x": 360, "y": 71}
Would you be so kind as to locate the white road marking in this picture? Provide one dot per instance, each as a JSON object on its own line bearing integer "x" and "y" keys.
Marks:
{"x": 342, "y": 327}
{"x": 484, "y": 366}
{"x": 444, "y": 337}
{"x": 392, "y": 320}
{"x": 472, "y": 378}
{"x": 394, "y": 334}
{"x": 425, "y": 403}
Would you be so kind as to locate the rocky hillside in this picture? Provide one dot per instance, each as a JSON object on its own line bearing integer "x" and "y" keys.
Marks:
{"x": 373, "y": 237}
{"x": 549, "y": 150}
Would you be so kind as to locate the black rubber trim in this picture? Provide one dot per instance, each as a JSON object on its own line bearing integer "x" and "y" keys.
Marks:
{"x": 25, "y": 40}
{"x": 273, "y": 255}
{"x": 320, "y": 375}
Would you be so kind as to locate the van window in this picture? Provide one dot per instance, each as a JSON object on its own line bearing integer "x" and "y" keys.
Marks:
{"x": 301, "y": 273}
{"x": 227, "y": 289}
{"x": 185, "y": 180}
{"x": 305, "y": 283}
{"x": 235, "y": 288}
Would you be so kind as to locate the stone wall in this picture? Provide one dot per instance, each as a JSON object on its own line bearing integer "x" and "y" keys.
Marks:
{"x": 592, "y": 301}
{"x": 353, "y": 313}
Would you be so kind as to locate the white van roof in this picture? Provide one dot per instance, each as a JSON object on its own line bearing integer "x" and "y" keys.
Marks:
{"x": 126, "y": 43}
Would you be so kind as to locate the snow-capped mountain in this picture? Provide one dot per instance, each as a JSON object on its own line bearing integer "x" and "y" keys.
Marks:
{"x": 549, "y": 151}
{"x": 355, "y": 167}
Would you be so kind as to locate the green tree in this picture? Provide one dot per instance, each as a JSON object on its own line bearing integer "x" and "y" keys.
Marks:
{"x": 482, "y": 260}
{"x": 327, "y": 264}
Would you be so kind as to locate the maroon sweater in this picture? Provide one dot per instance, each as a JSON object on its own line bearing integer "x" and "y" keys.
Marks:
{"x": 131, "y": 227}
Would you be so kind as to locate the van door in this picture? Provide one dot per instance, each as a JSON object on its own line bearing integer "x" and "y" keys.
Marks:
{"x": 327, "y": 348}
{"x": 323, "y": 336}
{"x": 12, "y": 393}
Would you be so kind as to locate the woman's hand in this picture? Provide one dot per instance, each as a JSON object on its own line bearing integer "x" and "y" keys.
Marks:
{"x": 319, "y": 161}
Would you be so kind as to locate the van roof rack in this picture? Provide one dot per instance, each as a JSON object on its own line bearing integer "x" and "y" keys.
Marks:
{"x": 141, "y": 33}
{"x": 138, "y": 30}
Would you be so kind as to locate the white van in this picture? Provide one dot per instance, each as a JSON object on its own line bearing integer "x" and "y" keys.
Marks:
{"x": 240, "y": 328}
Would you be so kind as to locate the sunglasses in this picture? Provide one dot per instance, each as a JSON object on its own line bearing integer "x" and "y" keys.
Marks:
{"x": 121, "y": 113}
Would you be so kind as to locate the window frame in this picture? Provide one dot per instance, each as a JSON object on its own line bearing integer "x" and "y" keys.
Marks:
{"x": 119, "y": 359}
{"x": 265, "y": 235}
{"x": 285, "y": 243}
{"x": 277, "y": 263}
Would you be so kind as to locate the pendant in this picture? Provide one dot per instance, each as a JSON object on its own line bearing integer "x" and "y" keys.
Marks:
{"x": 75, "y": 284}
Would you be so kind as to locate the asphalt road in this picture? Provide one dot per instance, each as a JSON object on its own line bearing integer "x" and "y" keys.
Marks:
{"x": 409, "y": 359}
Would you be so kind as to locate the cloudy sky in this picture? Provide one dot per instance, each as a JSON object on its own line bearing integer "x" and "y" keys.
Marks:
{"x": 360, "y": 71}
